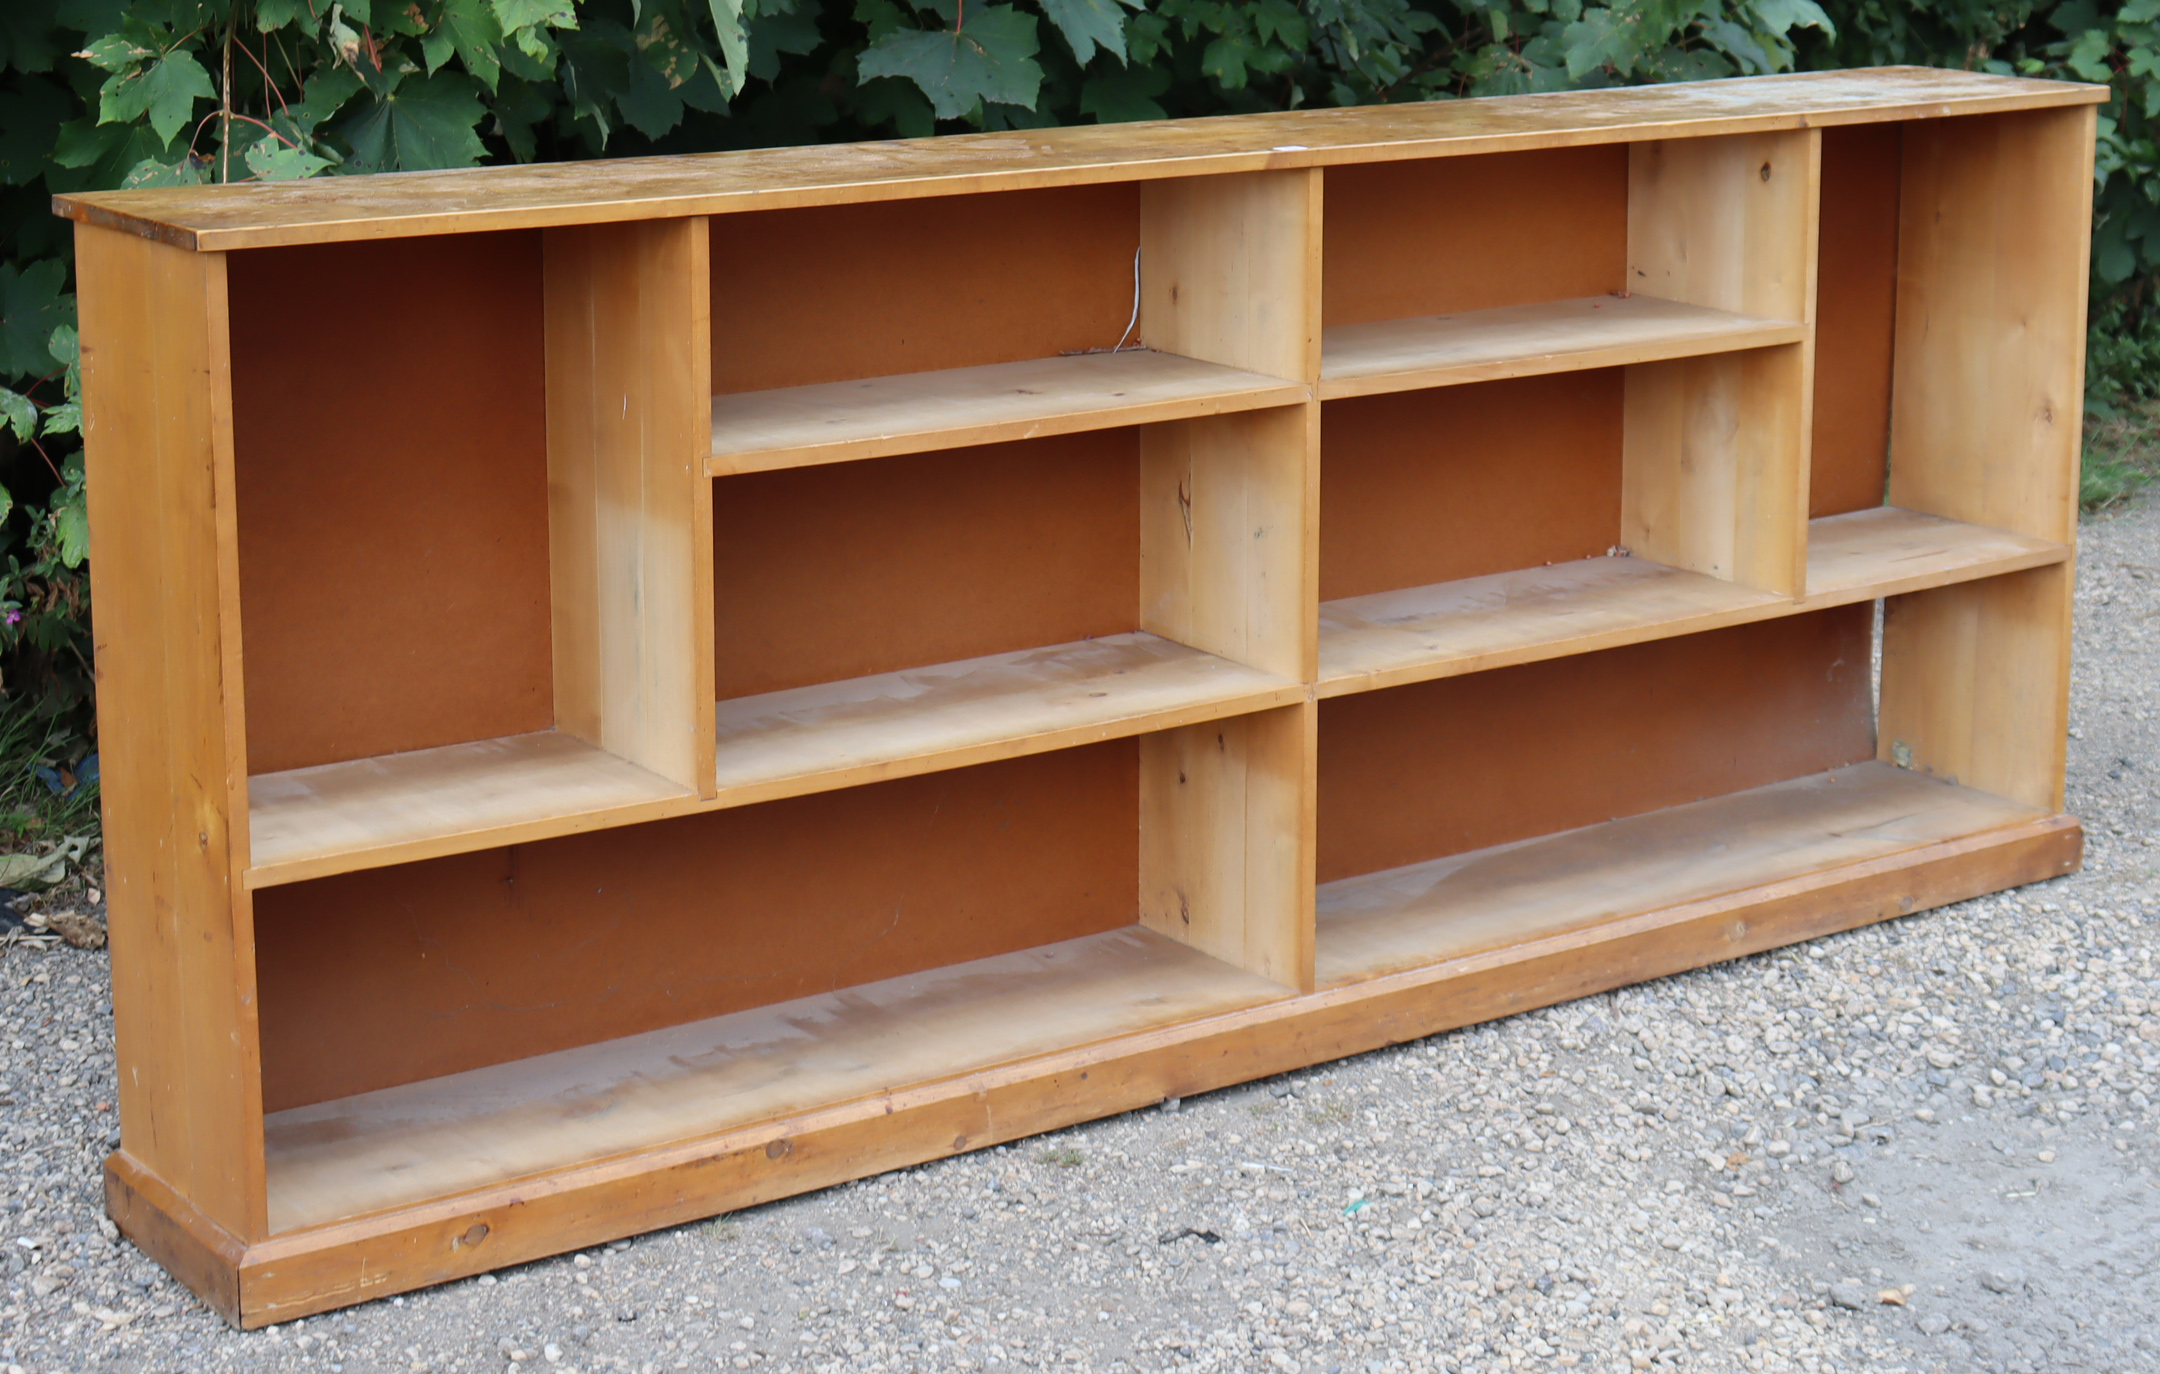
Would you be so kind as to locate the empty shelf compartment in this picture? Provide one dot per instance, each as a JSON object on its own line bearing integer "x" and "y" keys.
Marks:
{"x": 1512, "y": 894}
{"x": 404, "y": 1145}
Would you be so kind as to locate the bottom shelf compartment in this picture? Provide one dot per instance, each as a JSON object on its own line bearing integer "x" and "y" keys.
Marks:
{"x": 1425, "y": 913}
{"x": 442, "y": 1136}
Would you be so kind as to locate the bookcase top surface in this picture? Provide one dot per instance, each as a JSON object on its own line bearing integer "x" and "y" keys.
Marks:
{"x": 398, "y": 205}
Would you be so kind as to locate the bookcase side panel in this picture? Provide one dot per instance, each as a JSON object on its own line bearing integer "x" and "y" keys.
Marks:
{"x": 1716, "y": 464}
{"x": 1226, "y": 839}
{"x": 1230, "y": 270}
{"x": 1229, "y": 536}
{"x": 1994, "y": 244}
{"x": 627, "y": 387}
{"x": 157, "y": 442}
{"x": 1994, "y": 238}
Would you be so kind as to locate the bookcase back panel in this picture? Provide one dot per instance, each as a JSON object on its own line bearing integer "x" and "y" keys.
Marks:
{"x": 835, "y": 293}
{"x": 1438, "y": 768}
{"x": 1855, "y": 317}
{"x": 1470, "y": 233}
{"x": 390, "y": 459}
{"x": 838, "y": 571}
{"x": 1431, "y": 486}
{"x": 378, "y": 978}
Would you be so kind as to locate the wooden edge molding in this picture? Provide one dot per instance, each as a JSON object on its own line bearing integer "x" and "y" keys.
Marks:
{"x": 399, "y": 205}
{"x": 305, "y": 1272}
{"x": 191, "y": 1247}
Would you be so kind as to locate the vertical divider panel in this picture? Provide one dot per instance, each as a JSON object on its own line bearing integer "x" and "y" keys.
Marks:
{"x": 157, "y": 431}
{"x": 1994, "y": 239}
{"x": 629, "y": 404}
{"x": 1229, "y": 563}
{"x": 1715, "y": 453}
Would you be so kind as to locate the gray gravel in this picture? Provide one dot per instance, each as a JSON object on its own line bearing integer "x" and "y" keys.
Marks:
{"x": 1928, "y": 1145}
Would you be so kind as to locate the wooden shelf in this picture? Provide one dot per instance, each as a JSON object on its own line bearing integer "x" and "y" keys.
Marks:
{"x": 894, "y": 725}
{"x": 449, "y": 1135}
{"x": 1526, "y": 340}
{"x": 338, "y": 817}
{"x": 1448, "y": 628}
{"x": 1580, "y": 880}
{"x": 1889, "y": 552}
{"x": 757, "y": 431}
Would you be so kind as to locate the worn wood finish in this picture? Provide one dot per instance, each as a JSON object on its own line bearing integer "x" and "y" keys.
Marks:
{"x": 1717, "y": 447}
{"x": 1226, "y": 826}
{"x": 305, "y": 1272}
{"x": 1019, "y": 731}
{"x": 1993, "y": 241}
{"x": 1228, "y": 559}
{"x": 892, "y": 725}
{"x": 409, "y": 1145}
{"x": 1230, "y": 271}
{"x": 1527, "y": 340}
{"x": 1487, "y": 899}
{"x": 396, "y": 808}
{"x": 1975, "y": 683}
{"x": 877, "y": 417}
{"x": 157, "y": 441}
{"x": 721, "y": 183}
{"x": 629, "y": 523}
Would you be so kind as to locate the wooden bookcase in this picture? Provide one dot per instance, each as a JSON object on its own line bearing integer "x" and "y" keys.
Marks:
{"x": 638, "y": 688}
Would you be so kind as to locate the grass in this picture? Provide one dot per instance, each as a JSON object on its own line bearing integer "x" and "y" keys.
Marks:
{"x": 2122, "y": 454}
{"x": 41, "y": 795}
{"x": 1061, "y": 1158}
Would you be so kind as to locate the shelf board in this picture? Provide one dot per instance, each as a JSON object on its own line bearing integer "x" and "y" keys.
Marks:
{"x": 1448, "y": 628}
{"x": 894, "y": 725}
{"x": 1887, "y": 551}
{"x": 1387, "y": 639}
{"x": 1507, "y": 895}
{"x": 757, "y": 431}
{"x": 1526, "y": 340}
{"x": 443, "y": 1136}
{"x": 337, "y": 817}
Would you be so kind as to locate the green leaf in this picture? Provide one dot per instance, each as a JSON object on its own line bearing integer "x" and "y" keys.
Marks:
{"x": 1088, "y": 25}
{"x": 992, "y": 58}
{"x": 7, "y": 499}
{"x": 1783, "y": 16}
{"x": 32, "y": 306}
{"x": 271, "y": 160}
{"x": 116, "y": 53}
{"x": 18, "y": 415}
{"x": 65, "y": 418}
{"x": 65, "y": 345}
{"x": 108, "y": 151}
{"x": 327, "y": 92}
{"x": 470, "y": 29}
{"x": 1599, "y": 39}
{"x": 272, "y": 15}
{"x": 727, "y": 18}
{"x": 423, "y": 123}
{"x": 1124, "y": 93}
{"x": 71, "y": 525}
{"x": 186, "y": 170}
{"x": 166, "y": 90}
{"x": 2089, "y": 56}
{"x": 535, "y": 14}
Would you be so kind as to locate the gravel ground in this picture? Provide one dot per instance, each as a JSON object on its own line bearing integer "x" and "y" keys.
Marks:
{"x": 1929, "y": 1145}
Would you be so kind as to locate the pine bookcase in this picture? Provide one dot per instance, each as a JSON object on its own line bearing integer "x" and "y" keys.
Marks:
{"x": 634, "y": 689}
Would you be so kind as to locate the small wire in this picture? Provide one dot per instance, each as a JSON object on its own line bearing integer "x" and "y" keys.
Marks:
{"x": 1134, "y": 323}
